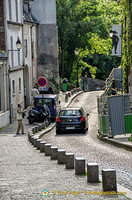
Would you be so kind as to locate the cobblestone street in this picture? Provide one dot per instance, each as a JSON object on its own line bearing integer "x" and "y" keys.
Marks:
{"x": 25, "y": 172}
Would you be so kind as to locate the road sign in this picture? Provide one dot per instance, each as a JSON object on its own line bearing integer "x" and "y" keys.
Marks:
{"x": 42, "y": 89}
{"x": 42, "y": 81}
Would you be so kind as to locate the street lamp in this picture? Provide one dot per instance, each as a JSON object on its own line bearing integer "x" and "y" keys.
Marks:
{"x": 76, "y": 51}
{"x": 19, "y": 46}
{"x": 83, "y": 76}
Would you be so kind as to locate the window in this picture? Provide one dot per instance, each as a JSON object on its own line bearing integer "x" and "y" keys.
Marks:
{"x": 16, "y": 10}
{"x": 13, "y": 86}
{"x": 18, "y": 58}
{"x": 25, "y": 48}
{"x": 12, "y": 55}
{"x": 19, "y": 83}
{"x": 10, "y": 13}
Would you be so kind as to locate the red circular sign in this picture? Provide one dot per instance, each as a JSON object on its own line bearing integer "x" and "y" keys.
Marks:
{"x": 42, "y": 81}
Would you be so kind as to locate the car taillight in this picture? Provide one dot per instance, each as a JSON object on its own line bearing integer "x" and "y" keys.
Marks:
{"x": 57, "y": 119}
{"x": 54, "y": 107}
{"x": 82, "y": 119}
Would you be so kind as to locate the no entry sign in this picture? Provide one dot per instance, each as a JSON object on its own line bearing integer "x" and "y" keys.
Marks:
{"x": 42, "y": 81}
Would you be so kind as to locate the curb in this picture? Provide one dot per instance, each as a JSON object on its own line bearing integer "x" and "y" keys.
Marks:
{"x": 115, "y": 143}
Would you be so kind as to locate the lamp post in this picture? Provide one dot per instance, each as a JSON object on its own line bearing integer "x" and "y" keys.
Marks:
{"x": 76, "y": 51}
{"x": 19, "y": 46}
{"x": 83, "y": 76}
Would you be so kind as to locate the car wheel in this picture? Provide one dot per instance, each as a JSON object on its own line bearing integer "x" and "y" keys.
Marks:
{"x": 84, "y": 131}
{"x": 57, "y": 132}
{"x": 30, "y": 121}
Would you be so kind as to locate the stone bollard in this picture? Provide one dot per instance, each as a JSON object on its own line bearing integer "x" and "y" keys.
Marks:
{"x": 79, "y": 166}
{"x": 61, "y": 156}
{"x": 38, "y": 143}
{"x": 42, "y": 146}
{"x": 36, "y": 129}
{"x": 109, "y": 180}
{"x": 39, "y": 127}
{"x": 69, "y": 161}
{"x": 32, "y": 139}
{"x": 35, "y": 141}
{"x": 47, "y": 149}
{"x": 92, "y": 173}
{"x": 33, "y": 130}
{"x": 53, "y": 152}
{"x": 46, "y": 123}
{"x": 66, "y": 98}
{"x": 43, "y": 125}
{"x": 69, "y": 94}
{"x": 29, "y": 136}
{"x": 72, "y": 92}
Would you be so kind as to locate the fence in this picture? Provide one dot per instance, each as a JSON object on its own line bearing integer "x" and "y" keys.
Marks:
{"x": 115, "y": 115}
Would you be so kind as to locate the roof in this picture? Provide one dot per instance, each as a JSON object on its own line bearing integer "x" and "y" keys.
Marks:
{"x": 73, "y": 108}
{"x": 52, "y": 96}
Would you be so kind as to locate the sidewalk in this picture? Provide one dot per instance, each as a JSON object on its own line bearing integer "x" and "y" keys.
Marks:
{"x": 119, "y": 141}
{"x": 25, "y": 172}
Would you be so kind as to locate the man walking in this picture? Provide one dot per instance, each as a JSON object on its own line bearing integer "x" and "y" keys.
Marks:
{"x": 20, "y": 112}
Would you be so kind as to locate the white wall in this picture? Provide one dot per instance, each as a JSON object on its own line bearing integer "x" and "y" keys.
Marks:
{"x": 18, "y": 96}
{"x": 4, "y": 119}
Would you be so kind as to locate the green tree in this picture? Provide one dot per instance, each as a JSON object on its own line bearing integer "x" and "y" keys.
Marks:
{"x": 85, "y": 24}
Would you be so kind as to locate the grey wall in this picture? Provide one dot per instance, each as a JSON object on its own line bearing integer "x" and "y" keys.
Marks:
{"x": 45, "y": 12}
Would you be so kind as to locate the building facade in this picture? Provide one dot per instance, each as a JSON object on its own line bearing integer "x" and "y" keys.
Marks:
{"x": 4, "y": 89}
{"x": 47, "y": 62}
{"x": 33, "y": 22}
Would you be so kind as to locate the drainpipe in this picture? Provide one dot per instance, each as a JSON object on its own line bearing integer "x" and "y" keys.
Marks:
{"x": 31, "y": 31}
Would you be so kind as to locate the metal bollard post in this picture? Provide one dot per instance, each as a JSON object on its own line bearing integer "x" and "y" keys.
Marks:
{"x": 69, "y": 161}
{"x": 61, "y": 156}
{"x": 42, "y": 146}
{"x": 47, "y": 149}
{"x": 109, "y": 180}
{"x": 92, "y": 173}
{"x": 53, "y": 154}
{"x": 79, "y": 166}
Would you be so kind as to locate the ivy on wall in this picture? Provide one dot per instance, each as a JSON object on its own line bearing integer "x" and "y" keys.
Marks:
{"x": 126, "y": 6}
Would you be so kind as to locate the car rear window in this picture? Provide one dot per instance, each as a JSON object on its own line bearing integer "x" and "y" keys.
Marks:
{"x": 70, "y": 113}
{"x": 41, "y": 102}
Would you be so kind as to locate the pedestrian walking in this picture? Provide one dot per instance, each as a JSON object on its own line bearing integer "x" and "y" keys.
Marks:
{"x": 34, "y": 93}
{"x": 20, "y": 113}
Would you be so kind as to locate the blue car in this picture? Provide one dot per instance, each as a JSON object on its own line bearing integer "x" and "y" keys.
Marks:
{"x": 50, "y": 100}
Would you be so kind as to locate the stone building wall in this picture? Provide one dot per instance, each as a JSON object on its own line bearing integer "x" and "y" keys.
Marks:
{"x": 2, "y": 30}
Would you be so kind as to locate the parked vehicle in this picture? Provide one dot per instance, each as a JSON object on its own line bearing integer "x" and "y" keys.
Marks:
{"x": 71, "y": 120}
{"x": 50, "y": 100}
{"x": 36, "y": 116}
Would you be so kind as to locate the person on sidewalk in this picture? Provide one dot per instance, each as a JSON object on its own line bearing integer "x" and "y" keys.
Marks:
{"x": 20, "y": 113}
{"x": 34, "y": 93}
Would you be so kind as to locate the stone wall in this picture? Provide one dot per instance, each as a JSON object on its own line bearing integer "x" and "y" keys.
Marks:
{"x": 93, "y": 84}
{"x": 2, "y": 30}
{"x": 47, "y": 65}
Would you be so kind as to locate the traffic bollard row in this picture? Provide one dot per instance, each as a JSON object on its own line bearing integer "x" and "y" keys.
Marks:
{"x": 109, "y": 182}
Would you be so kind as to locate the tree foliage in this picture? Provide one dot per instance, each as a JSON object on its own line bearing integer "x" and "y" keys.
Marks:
{"x": 85, "y": 24}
